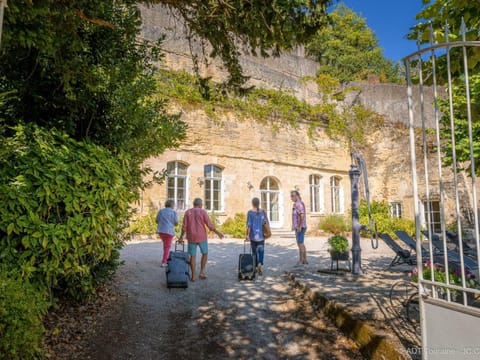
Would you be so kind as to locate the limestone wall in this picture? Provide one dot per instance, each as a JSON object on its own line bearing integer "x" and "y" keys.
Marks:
{"x": 281, "y": 73}
{"x": 249, "y": 151}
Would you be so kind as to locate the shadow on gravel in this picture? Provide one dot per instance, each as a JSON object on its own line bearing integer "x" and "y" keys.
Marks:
{"x": 217, "y": 318}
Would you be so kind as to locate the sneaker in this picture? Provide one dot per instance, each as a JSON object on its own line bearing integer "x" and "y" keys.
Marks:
{"x": 259, "y": 270}
{"x": 164, "y": 265}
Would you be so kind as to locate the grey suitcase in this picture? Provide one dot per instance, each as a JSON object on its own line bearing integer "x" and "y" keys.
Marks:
{"x": 178, "y": 271}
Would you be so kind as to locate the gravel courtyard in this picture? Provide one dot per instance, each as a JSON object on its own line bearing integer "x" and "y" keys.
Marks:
{"x": 217, "y": 318}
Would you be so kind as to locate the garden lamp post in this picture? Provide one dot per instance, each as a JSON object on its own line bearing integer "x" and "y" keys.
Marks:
{"x": 354, "y": 174}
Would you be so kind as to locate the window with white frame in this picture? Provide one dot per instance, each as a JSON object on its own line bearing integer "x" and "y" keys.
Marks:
{"x": 316, "y": 194}
{"x": 213, "y": 187}
{"x": 336, "y": 194}
{"x": 177, "y": 183}
{"x": 432, "y": 215}
{"x": 396, "y": 209}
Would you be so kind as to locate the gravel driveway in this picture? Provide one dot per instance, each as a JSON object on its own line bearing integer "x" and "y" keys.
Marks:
{"x": 217, "y": 318}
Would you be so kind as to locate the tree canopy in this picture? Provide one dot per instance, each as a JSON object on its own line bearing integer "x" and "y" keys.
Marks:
{"x": 433, "y": 17}
{"x": 77, "y": 66}
{"x": 348, "y": 49}
{"x": 437, "y": 13}
{"x": 260, "y": 27}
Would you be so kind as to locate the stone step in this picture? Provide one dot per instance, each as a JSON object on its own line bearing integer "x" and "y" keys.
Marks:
{"x": 282, "y": 233}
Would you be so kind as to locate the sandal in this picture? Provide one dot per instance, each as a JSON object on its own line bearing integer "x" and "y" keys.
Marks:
{"x": 202, "y": 276}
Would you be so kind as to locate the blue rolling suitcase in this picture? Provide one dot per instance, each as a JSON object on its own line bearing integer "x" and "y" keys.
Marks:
{"x": 246, "y": 265}
{"x": 178, "y": 271}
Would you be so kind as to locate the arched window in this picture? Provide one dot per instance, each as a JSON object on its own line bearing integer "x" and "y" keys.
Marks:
{"x": 177, "y": 183}
{"x": 316, "y": 194}
{"x": 213, "y": 188}
{"x": 336, "y": 193}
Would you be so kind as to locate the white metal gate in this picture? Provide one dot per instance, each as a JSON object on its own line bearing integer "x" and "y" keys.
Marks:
{"x": 445, "y": 156}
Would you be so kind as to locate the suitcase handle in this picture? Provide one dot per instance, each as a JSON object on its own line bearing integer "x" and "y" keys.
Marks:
{"x": 183, "y": 245}
{"x": 251, "y": 252}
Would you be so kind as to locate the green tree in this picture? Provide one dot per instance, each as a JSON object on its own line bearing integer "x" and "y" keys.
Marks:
{"x": 77, "y": 66}
{"x": 462, "y": 142}
{"x": 348, "y": 50}
{"x": 431, "y": 26}
{"x": 432, "y": 20}
{"x": 437, "y": 13}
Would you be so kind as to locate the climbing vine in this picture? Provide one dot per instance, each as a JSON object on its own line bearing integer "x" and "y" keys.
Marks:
{"x": 342, "y": 123}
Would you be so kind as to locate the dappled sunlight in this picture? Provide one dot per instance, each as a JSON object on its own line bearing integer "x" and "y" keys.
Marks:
{"x": 223, "y": 317}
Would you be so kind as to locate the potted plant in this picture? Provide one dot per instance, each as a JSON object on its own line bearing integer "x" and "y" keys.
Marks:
{"x": 338, "y": 247}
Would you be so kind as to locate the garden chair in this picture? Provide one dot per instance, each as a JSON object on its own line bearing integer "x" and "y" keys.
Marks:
{"x": 453, "y": 256}
{"x": 411, "y": 243}
{"x": 402, "y": 256}
{"x": 467, "y": 249}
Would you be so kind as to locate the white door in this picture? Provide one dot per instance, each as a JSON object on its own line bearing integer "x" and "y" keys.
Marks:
{"x": 271, "y": 201}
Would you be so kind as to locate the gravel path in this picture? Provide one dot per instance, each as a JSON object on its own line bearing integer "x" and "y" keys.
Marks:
{"x": 217, "y": 318}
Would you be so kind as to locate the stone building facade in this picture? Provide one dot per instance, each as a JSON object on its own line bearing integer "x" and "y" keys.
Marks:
{"x": 228, "y": 161}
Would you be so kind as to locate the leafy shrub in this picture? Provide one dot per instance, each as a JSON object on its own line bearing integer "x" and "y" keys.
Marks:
{"x": 236, "y": 226}
{"x": 178, "y": 228}
{"x": 380, "y": 211}
{"x": 144, "y": 224}
{"x": 338, "y": 243}
{"x": 334, "y": 224}
{"x": 64, "y": 204}
{"x": 21, "y": 310}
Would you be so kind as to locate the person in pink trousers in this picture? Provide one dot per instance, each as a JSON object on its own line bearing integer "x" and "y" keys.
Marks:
{"x": 166, "y": 219}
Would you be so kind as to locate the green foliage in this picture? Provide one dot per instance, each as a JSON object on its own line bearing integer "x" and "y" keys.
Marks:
{"x": 63, "y": 207}
{"x": 259, "y": 104}
{"x": 350, "y": 124}
{"x": 178, "y": 228}
{"x": 435, "y": 272}
{"x": 436, "y": 13}
{"x": 79, "y": 67}
{"x": 143, "y": 225}
{"x": 335, "y": 224}
{"x": 380, "y": 211}
{"x": 433, "y": 17}
{"x": 236, "y": 226}
{"x": 21, "y": 310}
{"x": 338, "y": 243}
{"x": 348, "y": 49}
{"x": 462, "y": 143}
{"x": 255, "y": 26}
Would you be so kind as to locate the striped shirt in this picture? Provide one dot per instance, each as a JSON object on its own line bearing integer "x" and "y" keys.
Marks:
{"x": 297, "y": 210}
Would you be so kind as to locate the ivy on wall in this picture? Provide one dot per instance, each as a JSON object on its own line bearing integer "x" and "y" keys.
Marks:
{"x": 348, "y": 124}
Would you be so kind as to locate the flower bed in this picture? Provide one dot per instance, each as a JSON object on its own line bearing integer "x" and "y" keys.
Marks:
{"x": 454, "y": 278}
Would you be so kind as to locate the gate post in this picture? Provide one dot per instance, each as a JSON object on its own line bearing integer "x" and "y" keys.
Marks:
{"x": 354, "y": 174}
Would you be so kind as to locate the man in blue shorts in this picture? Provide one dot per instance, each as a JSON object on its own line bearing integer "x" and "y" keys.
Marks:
{"x": 195, "y": 222}
{"x": 299, "y": 224}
